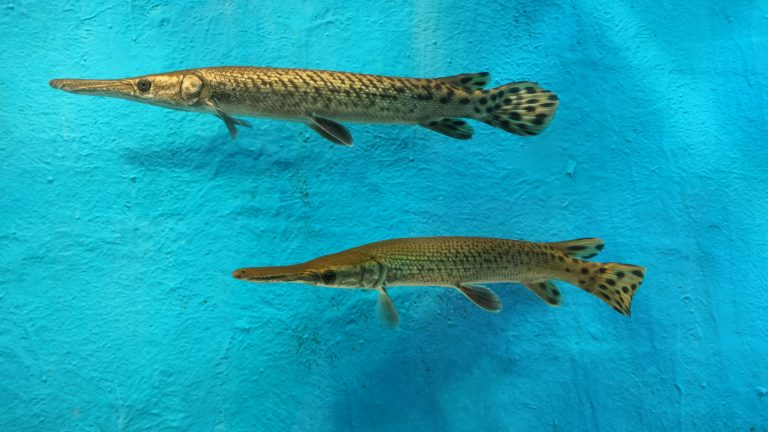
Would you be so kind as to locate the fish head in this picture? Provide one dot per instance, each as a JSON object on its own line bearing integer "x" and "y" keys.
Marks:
{"x": 328, "y": 271}
{"x": 178, "y": 90}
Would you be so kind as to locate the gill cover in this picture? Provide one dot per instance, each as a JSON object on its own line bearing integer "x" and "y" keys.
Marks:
{"x": 191, "y": 86}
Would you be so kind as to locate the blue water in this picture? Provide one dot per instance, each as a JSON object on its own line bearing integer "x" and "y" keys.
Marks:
{"x": 120, "y": 223}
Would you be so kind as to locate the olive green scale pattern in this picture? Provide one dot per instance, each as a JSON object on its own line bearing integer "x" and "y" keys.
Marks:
{"x": 296, "y": 93}
{"x": 448, "y": 261}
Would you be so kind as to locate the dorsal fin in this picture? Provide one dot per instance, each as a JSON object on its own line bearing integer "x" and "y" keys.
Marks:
{"x": 468, "y": 81}
{"x": 583, "y": 248}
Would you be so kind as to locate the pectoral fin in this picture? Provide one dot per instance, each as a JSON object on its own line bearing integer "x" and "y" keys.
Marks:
{"x": 546, "y": 290}
{"x": 330, "y": 130}
{"x": 481, "y": 296}
{"x": 228, "y": 120}
{"x": 386, "y": 309}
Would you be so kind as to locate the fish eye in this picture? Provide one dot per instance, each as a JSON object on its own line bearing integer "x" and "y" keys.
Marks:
{"x": 328, "y": 277}
{"x": 144, "y": 85}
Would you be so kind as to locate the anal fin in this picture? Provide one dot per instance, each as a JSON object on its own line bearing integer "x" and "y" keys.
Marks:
{"x": 386, "y": 309}
{"x": 547, "y": 291}
{"x": 453, "y": 127}
{"x": 330, "y": 130}
{"x": 481, "y": 296}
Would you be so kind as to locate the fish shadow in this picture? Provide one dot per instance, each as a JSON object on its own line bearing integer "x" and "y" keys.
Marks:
{"x": 264, "y": 148}
{"x": 220, "y": 155}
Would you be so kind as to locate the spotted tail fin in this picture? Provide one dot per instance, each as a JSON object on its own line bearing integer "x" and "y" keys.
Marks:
{"x": 613, "y": 283}
{"x": 522, "y": 108}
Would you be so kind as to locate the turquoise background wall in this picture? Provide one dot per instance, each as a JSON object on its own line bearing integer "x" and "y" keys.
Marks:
{"x": 120, "y": 223}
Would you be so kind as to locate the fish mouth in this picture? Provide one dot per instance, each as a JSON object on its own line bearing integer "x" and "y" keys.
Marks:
{"x": 115, "y": 88}
{"x": 292, "y": 273}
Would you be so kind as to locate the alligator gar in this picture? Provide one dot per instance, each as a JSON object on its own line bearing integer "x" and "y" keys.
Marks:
{"x": 463, "y": 263}
{"x": 323, "y": 99}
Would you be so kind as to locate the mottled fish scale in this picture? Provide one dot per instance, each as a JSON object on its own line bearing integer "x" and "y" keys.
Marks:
{"x": 451, "y": 260}
{"x": 337, "y": 95}
{"x": 462, "y": 263}
{"x": 448, "y": 261}
{"x": 323, "y": 98}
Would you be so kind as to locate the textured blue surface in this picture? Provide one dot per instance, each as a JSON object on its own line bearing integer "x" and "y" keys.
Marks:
{"x": 120, "y": 222}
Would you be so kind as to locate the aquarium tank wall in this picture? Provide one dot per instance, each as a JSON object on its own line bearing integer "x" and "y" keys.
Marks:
{"x": 121, "y": 223}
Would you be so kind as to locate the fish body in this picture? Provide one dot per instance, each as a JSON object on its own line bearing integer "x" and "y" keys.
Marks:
{"x": 323, "y": 99}
{"x": 464, "y": 263}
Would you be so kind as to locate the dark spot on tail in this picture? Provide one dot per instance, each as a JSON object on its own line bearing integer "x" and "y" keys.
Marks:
{"x": 540, "y": 119}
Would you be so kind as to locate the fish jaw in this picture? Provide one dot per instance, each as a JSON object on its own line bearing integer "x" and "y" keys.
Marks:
{"x": 123, "y": 89}
{"x": 291, "y": 273}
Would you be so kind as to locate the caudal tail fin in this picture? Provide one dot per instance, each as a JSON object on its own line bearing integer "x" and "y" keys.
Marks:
{"x": 522, "y": 108}
{"x": 613, "y": 283}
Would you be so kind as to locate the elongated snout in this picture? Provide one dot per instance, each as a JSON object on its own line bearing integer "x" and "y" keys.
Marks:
{"x": 292, "y": 273}
{"x": 115, "y": 88}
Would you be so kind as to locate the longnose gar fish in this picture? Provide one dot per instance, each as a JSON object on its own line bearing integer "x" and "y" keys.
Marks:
{"x": 462, "y": 263}
{"x": 321, "y": 99}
